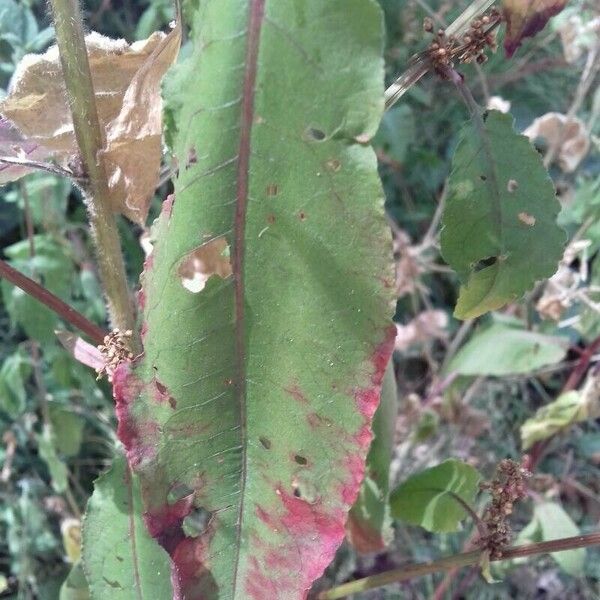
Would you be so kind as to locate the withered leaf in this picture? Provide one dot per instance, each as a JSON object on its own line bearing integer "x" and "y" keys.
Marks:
{"x": 127, "y": 87}
{"x": 525, "y": 18}
{"x": 568, "y": 133}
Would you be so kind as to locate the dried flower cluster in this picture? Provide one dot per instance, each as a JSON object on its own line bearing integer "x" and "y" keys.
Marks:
{"x": 114, "y": 350}
{"x": 507, "y": 487}
{"x": 445, "y": 49}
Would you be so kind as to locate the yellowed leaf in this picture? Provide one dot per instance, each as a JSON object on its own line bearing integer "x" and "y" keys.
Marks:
{"x": 126, "y": 82}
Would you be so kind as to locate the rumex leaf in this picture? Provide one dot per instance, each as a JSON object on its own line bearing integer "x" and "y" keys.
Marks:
{"x": 428, "y": 498}
{"x": 249, "y": 418}
{"x": 499, "y": 227}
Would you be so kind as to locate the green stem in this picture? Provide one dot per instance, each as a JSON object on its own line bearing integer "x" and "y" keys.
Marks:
{"x": 452, "y": 562}
{"x": 70, "y": 38}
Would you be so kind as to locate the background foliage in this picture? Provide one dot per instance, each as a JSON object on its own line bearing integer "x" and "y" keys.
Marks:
{"x": 455, "y": 400}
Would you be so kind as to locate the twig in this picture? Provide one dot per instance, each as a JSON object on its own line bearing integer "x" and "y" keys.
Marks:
{"x": 70, "y": 39}
{"x": 39, "y": 166}
{"x": 54, "y": 303}
{"x": 456, "y": 561}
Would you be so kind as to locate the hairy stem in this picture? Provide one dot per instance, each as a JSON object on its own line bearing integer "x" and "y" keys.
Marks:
{"x": 70, "y": 38}
{"x": 456, "y": 561}
{"x": 54, "y": 303}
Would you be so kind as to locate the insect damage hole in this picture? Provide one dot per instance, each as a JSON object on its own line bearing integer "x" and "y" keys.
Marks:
{"x": 266, "y": 442}
{"x": 484, "y": 263}
{"x": 315, "y": 135}
{"x": 208, "y": 260}
{"x": 300, "y": 460}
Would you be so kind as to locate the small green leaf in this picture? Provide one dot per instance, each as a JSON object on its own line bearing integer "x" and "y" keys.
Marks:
{"x": 58, "y": 470}
{"x": 68, "y": 429}
{"x": 569, "y": 408}
{"x": 13, "y": 374}
{"x": 120, "y": 558}
{"x": 555, "y": 523}
{"x": 504, "y": 350}
{"x": 396, "y": 132}
{"x": 499, "y": 227}
{"x": 424, "y": 498}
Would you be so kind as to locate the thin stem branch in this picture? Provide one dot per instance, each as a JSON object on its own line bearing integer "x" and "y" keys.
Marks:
{"x": 456, "y": 561}
{"x": 70, "y": 39}
{"x": 54, "y": 303}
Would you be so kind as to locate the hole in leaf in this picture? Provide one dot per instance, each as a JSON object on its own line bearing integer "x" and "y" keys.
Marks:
{"x": 206, "y": 261}
{"x": 315, "y": 134}
{"x": 297, "y": 492}
{"x": 266, "y": 442}
{"x": 177, "y": 492}
{"x": 300, "y": 459}
{"x": 484, "y": 263}
{"x": 483, "y": 178}
{"x": 512, "y": 185}
{"x": 196, "y": 522}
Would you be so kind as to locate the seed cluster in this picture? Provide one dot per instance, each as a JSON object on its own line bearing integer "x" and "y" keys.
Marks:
{"x": 445, "y": 49}
{"x": 114, "y": 350}
{"x": 507, "y": 487}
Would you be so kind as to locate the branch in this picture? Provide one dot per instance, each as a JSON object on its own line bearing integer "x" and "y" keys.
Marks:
{"x": 457, "y": 560}
{"x": 54, "y": 303}
{"x": 70, "y": 39}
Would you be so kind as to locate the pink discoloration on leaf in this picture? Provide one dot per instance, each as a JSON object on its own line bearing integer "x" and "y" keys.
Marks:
{"x": 140, "y": 438}
{"x": 167, "y": 206}
{"x": 161, "y": 394}
{"x": 354, "y": 465}
{"x": 296, "y": 393}
{"x": 363, "y": 537}
{"x": 317, "y": 530}
{"x": 165, "y": 523}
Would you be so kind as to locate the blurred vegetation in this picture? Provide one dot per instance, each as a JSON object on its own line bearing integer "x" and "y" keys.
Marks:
{"x": 57, "y": 425}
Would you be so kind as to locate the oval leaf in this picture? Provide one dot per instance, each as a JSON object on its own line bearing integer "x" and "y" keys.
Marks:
{"x": 427, "y": 498}
{"x": 267, "y": 299}
{"x": 499, "y": 227}
{"x": 503, "y": 350}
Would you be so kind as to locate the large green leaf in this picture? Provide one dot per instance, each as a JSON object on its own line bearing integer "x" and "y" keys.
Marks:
{"x": 120, "y": 559}
{"x": 499, "y": 226}
{"x": 369, "y": 526}
{"x": 267, "y": 300}
{"x": 432, "y": 498}
{"x": 504, "y": 350}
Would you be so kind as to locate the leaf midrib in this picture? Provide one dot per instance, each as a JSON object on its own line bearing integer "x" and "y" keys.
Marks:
{"x": 255, "y": 20}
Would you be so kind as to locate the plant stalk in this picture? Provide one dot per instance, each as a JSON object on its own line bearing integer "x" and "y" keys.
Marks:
{"x": 457, "y": 560}
{"x": 54, "y": 303}
{"x": 70, "y": 38}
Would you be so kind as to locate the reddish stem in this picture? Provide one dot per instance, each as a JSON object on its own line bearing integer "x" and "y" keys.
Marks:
{"x": 55, "y": 304}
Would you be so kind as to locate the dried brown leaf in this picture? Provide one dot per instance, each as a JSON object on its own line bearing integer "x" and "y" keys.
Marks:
{"x": 525, "y": 18}
{"x": 126, "y": 81}
{"x": 569, "y": 134}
